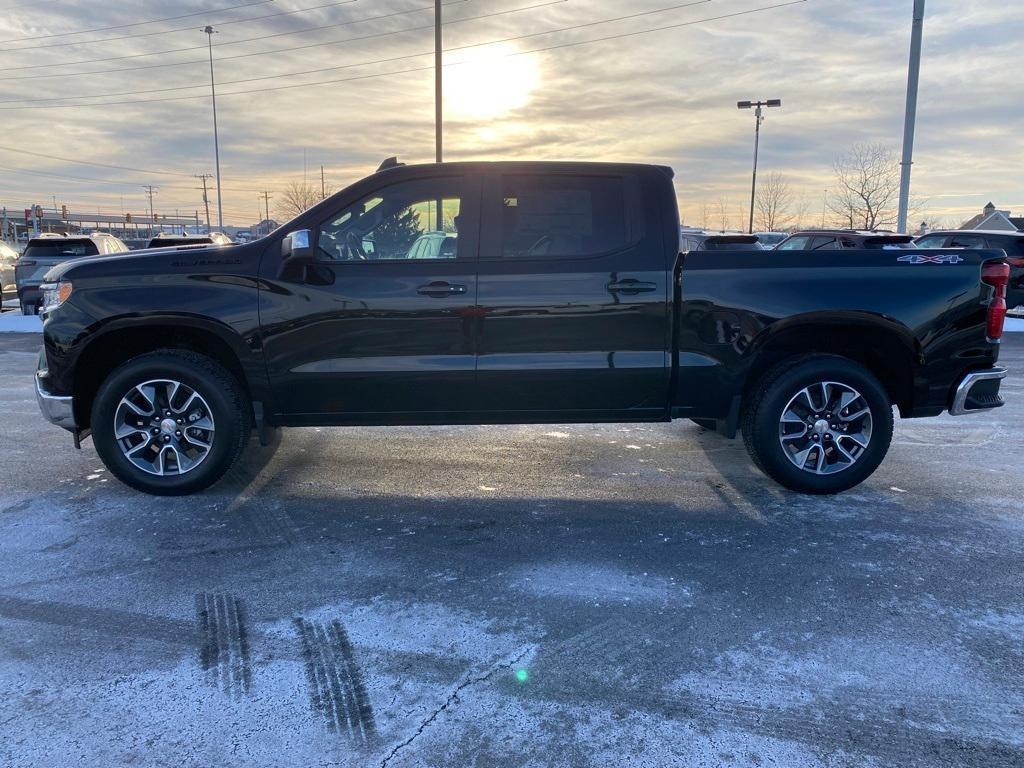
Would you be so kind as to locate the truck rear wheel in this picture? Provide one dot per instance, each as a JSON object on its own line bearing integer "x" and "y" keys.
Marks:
{"x": 819, "y": 424}
{"x": 170, "y": 422}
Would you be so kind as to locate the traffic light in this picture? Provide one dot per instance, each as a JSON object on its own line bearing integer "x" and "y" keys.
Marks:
{"x": 127, "y": 218}
{"x": 64, "y": 212}
{"x": 39, "y": 212}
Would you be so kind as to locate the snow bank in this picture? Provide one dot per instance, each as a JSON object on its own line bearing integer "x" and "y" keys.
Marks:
{"x": 15, "y": 322}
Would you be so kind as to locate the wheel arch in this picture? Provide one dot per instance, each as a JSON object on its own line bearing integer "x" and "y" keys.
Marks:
{"x": 122, "y": 339}
{"x": 886, "y": 348}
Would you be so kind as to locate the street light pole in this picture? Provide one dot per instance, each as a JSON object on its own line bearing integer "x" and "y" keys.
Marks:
{"x": 216, "y": 139}
{"x": 910, "y": 122}
{"x": 438, "y": 85}
{"x": 759, "y": 118}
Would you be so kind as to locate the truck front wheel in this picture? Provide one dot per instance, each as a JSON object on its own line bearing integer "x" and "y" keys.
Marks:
{"x": 819, "y": 424}
{"x": 170, "y": 422}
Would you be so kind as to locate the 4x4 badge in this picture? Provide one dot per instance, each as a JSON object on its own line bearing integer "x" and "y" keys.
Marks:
{"x": 942, "y": 258}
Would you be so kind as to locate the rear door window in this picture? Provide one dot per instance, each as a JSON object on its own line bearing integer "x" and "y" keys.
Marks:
{"x": 794, "y": 244}
{"x": 966, "y": 241}
{"x": 554, "y": 216}
{"x": 932, "y": 241}
{"x": 825, "y": 244}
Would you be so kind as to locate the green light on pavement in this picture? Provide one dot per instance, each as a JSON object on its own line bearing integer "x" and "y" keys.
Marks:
{"x": 522, "y": 675}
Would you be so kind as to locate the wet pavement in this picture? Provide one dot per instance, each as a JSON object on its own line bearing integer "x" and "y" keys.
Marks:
{"x": 548, "y": 595}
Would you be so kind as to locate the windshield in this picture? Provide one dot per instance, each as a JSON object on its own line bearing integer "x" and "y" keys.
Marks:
{"x": 60, "y": 249}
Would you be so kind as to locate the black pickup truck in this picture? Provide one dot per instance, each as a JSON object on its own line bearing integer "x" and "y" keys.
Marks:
{"x": 487, "y": 293}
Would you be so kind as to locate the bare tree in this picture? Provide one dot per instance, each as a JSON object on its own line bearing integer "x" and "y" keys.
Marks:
{"x": 774, "y": 200}
{"x": 801, "y": 211}
{"x": 705, "y": 216}
{"x": 867, "y": 187}
{"x": 723, "y": 214}
{"x": 296, "y": 198}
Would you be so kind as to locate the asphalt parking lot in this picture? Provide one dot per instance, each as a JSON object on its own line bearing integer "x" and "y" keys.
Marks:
{"x": 513, "y": 596}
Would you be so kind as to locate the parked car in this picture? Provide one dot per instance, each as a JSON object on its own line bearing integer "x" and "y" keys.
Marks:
{"x": 710, "y": 241}
{"x": 45, "y": 251}
{"x": 1010, "y": 242}
{"x": 566, "y": 301}
{"x": 8, "y": 258}
{"x": 433, "y": 245}
{"x": 175, "y": 241}
{"x": 769, "y": 240}
{"x": 839, "y": 239}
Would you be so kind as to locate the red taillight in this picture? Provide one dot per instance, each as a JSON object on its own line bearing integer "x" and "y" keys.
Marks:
{"x": 997, "y": 275}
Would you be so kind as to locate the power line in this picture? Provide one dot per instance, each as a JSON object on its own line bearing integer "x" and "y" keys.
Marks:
{"x": 182, "y": 29}
{"x": 97, "y": 165}
{"x": 306, "y": 72}
{"x": 230, "y": 42}
{"x": 266, "y": 200}
{"x": 145, "y": 171}
{"x": 149, "y": 193}
{"x": 34, "y": 3}
{"x": 463, "y": 47}
{"x": 112, "y": 182}
{"x": 132, "y": 24}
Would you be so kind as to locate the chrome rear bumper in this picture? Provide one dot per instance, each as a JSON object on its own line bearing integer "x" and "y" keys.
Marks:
{"x": 967, "y": 400}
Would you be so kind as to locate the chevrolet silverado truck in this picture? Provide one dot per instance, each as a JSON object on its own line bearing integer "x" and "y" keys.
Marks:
{"x": 520, "y": 292}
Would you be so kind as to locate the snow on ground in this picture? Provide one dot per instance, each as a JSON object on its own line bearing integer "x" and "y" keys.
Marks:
{"x": 15, "y": 322}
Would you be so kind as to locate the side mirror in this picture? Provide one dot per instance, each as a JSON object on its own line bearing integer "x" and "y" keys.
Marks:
{"x": 297, "y": 246}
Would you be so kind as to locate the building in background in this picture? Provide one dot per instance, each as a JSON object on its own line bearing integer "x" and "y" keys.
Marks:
{"x": 992, "y": 218}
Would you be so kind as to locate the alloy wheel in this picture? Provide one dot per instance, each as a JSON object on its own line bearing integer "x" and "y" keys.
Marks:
{"x": 825, "y": 428}
{"x": 164, "y": 427}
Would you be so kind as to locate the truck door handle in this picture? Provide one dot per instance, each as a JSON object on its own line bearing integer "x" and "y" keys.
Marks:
{"x": 631, "y": 286}
{"x": 439, "y": 289}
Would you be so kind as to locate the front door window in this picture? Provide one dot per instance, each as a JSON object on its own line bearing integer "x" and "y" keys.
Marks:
{"x": 408, "y": 221}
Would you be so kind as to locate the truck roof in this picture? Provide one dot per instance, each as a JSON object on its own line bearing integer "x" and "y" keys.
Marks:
{"x": 536, "y": 166}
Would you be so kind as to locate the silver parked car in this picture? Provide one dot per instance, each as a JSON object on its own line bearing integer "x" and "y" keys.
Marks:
{"x": 8, "y": 256}
{"x": 45, "y": 251}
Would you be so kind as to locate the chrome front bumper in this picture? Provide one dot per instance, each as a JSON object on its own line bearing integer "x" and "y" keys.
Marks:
{"x": 967, "y": 401}
{"x": 57, "y": 409}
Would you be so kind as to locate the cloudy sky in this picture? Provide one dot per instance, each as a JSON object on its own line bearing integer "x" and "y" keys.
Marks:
{"x": 310, "y": 82}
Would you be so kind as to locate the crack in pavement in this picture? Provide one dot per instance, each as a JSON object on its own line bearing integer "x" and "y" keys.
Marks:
{"x": 452, "y": 697}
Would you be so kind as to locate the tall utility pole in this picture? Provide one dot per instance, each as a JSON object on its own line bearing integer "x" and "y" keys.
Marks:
{"x": 206, "y": 200}
{"x": 210, "y": 31}
{"x": 438, "y": 85}
{"x": 913, "y": 77}
{"x": 266, "y": 202}
{"x": 759, "y": 115}
{"x": 152, "y": 217}
{"x": 323, "y": 185}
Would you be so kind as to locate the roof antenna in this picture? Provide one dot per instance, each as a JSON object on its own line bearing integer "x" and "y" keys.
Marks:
{"x": 391, "y": 162}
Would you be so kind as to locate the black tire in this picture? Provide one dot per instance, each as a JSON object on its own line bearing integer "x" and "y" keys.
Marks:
{"x": 769, "y": 400}
{"x": 709, "y": 424}
{"x": 223, "y": 393}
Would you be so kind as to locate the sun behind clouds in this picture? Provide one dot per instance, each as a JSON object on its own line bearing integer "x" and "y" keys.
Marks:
{"x": 490, "y": 83}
